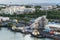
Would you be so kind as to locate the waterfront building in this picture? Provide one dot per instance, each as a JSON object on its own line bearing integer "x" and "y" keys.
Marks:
{"x": 4, "y": 18}
{"x": 17, "y": 9}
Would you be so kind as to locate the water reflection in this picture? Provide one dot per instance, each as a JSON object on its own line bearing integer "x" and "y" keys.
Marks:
{"x": 6, "y": 34}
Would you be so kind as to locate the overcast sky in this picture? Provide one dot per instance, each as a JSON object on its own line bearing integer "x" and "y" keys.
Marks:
{"x": 27, "y": 1}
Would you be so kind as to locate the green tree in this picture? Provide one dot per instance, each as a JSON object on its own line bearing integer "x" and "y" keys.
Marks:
{"x": 58, "y": 6}
{"x": 27, "y": 6}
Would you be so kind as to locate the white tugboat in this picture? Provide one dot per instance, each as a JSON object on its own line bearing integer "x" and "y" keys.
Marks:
{"x": 38, "y": 26}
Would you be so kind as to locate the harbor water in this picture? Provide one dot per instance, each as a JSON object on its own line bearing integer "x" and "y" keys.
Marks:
{"x": 6, "y": 34}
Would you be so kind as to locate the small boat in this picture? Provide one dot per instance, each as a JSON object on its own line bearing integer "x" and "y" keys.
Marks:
{"x": 37, "y": 34}
{"x": 25, "y": 30}
{"x": 53, "y": 27}
{"x": 54, "y": 31}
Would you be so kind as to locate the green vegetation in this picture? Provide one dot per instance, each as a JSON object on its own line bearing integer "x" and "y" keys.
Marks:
{"x": 37, "y": 6}
{"x": 51, "y": 14}
{"x": 2, "y": 8}
{"x": 58, "y": 6}
{"x": 27, "y": 6}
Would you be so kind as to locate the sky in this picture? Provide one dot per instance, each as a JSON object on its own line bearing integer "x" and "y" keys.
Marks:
{"x": 27, "y": 1}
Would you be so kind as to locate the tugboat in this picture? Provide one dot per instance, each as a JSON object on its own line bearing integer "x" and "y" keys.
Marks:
{"x": 22, "y": 29}
{"x": 37, "y": 34}
{"x": 51, "y": 31}
{"x": 13, "y": 28}
{"x": 39, "y": 25}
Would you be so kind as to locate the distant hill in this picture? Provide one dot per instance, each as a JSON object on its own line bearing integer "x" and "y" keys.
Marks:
{"x": 40, "y": 4}
{"x": 43, "y": 4}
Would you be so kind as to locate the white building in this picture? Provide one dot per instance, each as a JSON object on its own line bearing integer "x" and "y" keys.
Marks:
{"x": 4, "y": 18}
{"x": 17, "y": 9}
{"x": 29, "y": 10}
{"x": 57, "y": 9}
{"x": 1, "y": 5}
{"x": 47, "y": 7}
{"x": 12, "y": 9}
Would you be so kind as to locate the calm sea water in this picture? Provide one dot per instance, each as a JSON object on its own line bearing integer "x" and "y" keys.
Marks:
{"x": 6, "y": 34}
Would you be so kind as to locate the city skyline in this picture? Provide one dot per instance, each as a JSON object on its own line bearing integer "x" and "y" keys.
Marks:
{"x": 27, "y": 1}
